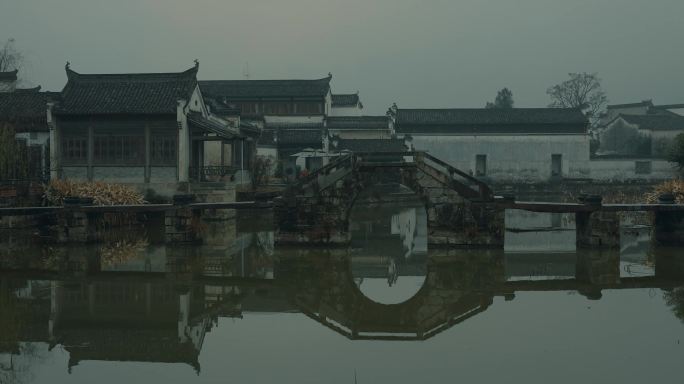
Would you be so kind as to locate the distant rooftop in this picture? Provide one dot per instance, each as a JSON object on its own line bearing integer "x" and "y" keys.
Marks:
{"x": 345, "y": 100}
{"x": 9, "y": 76}
{"x": 129, "y": 93}
{"x": 358, "y": 122}
{"x": 26, "y": 109}
{"x": 255, "y": 89}
{"x": 645, "y": 103}
{"x": 669, "y": 106}
{"x": 295, "y": 125}
{"x": 300, "y": 138}
{"x": 485, "y": 120}
{"x": 669, "y": 122}
{"x": 371, "y": 145}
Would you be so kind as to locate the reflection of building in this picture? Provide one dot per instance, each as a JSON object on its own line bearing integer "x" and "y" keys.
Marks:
{"x": 411, "y": 226}
{"x": 125, "y": 321}
{"x": 164, "y": 317}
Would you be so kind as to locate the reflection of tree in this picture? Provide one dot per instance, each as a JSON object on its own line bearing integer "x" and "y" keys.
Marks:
{"x": 675, "y": 299}
{"x": 16, "y": 358}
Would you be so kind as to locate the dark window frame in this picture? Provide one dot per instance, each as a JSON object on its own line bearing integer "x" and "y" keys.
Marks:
{"x": 74, "y": 149}
{"x": 163, "y": 150}
{"x": 480, "y": 159}
{"x": 112, "y": 149}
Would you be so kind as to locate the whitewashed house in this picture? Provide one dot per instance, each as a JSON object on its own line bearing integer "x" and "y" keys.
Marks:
{"x": 501, "y": 145}
{"x": 290, "y": 113}
{"x": 346, "y": 105}
{"x": 25, "y": 111}
{"x": 633, "y": 146}
{"x": 150, "y": 130}
{"x": 359, "y": 127}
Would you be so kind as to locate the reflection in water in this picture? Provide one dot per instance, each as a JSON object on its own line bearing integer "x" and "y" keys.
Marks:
{"x": 67, "y": 310}
{"x": 389, "y": 245}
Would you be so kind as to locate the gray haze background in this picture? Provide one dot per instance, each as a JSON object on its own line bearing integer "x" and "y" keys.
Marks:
{"x": 435, "y": 53}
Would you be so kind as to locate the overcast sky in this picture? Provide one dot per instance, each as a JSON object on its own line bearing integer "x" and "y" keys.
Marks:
{"x": 439, "y": 53}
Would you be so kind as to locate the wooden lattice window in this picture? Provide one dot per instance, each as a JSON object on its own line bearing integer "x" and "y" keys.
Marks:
{"x": 119, "y": 150}
{"x": 75, "y": 150}
{"x": 276, "y": 108}
{"x": 163, "y": 150}
{"x": 309, "y": 108}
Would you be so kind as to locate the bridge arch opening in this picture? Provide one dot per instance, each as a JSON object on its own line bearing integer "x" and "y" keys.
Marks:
{"x": 388, "y": 247}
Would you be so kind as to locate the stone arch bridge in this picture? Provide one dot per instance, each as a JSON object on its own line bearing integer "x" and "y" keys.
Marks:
{"x": 460, "y": 208}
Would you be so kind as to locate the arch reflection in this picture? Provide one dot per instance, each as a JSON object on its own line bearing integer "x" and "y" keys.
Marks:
{"x": 388, "y": 226}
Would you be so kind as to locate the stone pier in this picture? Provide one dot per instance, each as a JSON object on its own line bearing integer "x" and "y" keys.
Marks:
{"x": 598, "y": 230}
{"x": 77, "y": 227}
{"x": 183, "y": 225}
{"x": 668, "y": 228}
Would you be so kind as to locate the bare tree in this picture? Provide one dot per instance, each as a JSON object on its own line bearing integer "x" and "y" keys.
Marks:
{"x": 10, "y": 57}
{"x": 583, "y": 91}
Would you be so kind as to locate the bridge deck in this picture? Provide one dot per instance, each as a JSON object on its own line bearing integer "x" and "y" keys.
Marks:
{"x": 139, "y": 208}
{"x": 534, "y": 206}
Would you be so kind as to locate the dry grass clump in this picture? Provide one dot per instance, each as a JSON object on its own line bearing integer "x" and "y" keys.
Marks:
{"x": 102, "y": 193}
{"x": 120, "y": 252}
{"x": 620, "y": 197}
{"x": 675, "y": 187}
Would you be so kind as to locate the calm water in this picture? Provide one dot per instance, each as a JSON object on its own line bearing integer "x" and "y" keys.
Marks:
{"x": 388, "y": 310}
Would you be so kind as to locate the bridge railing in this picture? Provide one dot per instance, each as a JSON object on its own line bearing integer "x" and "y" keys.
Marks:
{"x": 475, "y": 188}
{"x": 322, "y": 177}
{"x": 465, "y": 184}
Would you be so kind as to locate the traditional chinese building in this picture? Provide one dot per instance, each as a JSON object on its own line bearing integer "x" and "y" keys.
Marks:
{"x": 501, "y": 145}
{"x": 24, "y": 110}
{"x": 290, "y": 112}
{"x": 346, "y": 105}
{"x": 152, "y": 130}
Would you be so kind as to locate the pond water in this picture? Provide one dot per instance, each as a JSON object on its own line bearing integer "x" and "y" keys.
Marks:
{"x": 386, "y": 310}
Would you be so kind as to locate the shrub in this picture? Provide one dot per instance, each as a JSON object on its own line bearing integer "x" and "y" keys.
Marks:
{"x": 675, "y": 187}
{"x": 261, "y": 172}
{"x": 13, "y": 155}
{"x": 102, "y": 193}
{"x": 675, "y": 152}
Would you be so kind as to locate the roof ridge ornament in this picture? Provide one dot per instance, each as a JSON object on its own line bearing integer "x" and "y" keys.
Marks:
{"x": 68, "y": 65}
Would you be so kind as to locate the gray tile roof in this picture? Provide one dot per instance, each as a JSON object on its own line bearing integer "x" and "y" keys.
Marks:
{"x": 11, "y": 75}
{"x": 257, "y": 89}
{"x": 195, "y": 119}
{"x": 300, "y": 138}
{"x": 669, "y": 106}
{"x": 218, "y": 108}
{"x": 483, "y": 121}
{"x": 669, "y": 122}
{"x": 267, "y": 138}
{"x": 371, "y": 145}
{"x": 645, "y": 103}
{"x": 27, "y": 90}
{"x": 345, "y": 100}
{"x": 295, "y": 126}
{"x": 358, "y": 122}
{"x": 139, "y": 93}
{"x": 26, "y": 110}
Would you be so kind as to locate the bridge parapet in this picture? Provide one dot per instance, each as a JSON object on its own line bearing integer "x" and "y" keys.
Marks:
{"x": 460, "y": 208}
